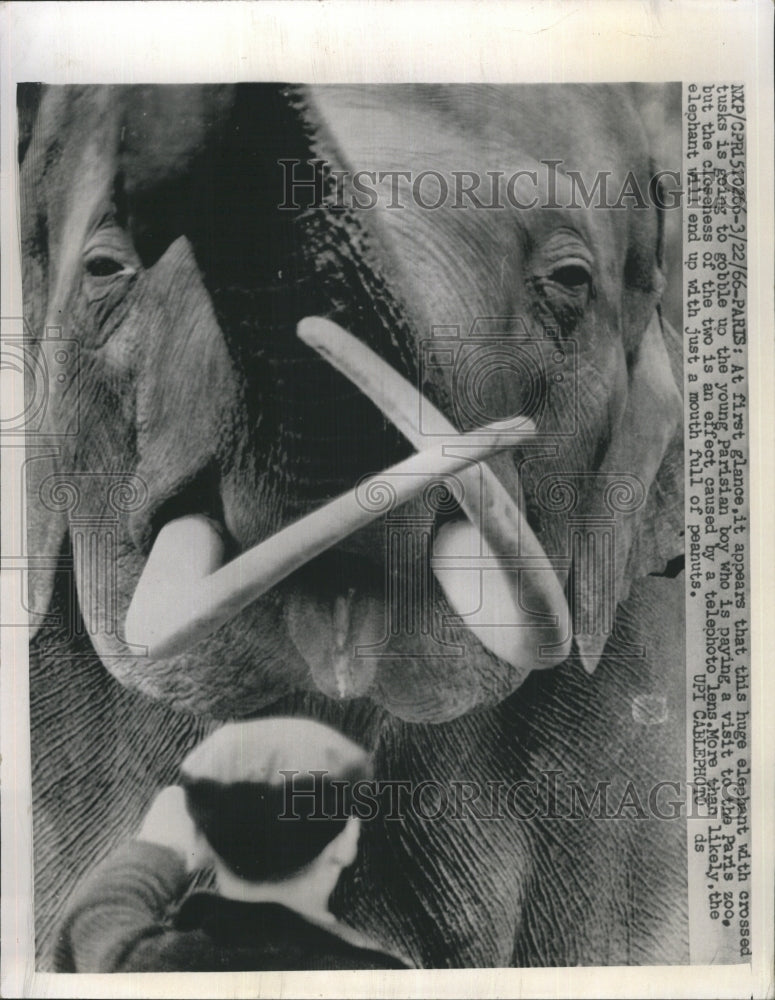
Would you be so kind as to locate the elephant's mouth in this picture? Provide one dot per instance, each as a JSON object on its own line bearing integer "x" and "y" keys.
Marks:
{"x": 348, "y": 615}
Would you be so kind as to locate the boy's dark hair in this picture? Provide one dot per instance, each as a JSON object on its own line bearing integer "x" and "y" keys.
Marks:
{"x": 266, "y": 832}
{"x": 269, "y": 794}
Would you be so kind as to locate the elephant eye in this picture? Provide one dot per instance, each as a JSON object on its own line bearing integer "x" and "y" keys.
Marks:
{"x": 571, "y": 276}
{"x": 562, "y": 278}
{"x": 103, "y": 266}
{"x": 110, "y": 264}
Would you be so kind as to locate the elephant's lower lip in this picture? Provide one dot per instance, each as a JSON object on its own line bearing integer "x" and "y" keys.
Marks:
{"x": 332, "y": 632}
{"x": 361, "y": 631}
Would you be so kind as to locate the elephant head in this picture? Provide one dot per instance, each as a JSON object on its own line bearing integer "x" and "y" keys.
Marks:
{"x": 172, "y": 255}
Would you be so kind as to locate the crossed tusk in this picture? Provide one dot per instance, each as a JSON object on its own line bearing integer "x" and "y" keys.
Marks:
{"x": 185, "y": 593}
{"x": 172, "y": 609}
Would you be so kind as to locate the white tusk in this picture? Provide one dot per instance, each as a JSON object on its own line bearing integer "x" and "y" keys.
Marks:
{"x": 175, "y": 606}
{"x": 500, "y": 530}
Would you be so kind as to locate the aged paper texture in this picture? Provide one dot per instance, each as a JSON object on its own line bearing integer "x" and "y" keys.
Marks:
{"x": 387, "y": 402}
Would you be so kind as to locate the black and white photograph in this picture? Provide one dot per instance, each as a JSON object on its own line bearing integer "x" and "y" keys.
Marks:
{"x": 383, "y": 533}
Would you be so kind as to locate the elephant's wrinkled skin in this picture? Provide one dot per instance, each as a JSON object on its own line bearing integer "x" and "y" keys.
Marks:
{"x": 152, "y": 238}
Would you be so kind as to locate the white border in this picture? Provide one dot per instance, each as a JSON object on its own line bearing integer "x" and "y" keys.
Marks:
{"x": 436, "y": 40}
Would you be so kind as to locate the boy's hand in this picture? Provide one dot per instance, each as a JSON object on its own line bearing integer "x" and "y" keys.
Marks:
{"x": 168, "y": 823}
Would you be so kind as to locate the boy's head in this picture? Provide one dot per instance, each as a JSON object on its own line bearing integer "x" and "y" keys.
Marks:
{"x": 271, "y": 795}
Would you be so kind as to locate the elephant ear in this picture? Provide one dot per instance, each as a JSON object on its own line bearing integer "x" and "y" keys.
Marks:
{"x": 641, "y": 490}
{"x": 39, "y": 109}
{"x": 46, "y": 530}
{"x": 28, "y": 97}
{"x": 658, "y": 543}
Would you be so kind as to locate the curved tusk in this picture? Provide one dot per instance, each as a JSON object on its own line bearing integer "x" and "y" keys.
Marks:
{"x": 498, "y": 529}
{"x": 175, "y": 606}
